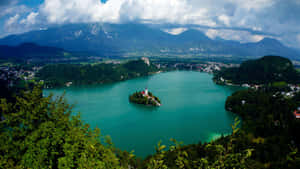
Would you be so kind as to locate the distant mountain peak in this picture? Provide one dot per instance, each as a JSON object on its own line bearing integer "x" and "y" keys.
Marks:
{"x": 270, "y": 41}
{"x": 194, "y": 34}
{"x": 106, "y": 39}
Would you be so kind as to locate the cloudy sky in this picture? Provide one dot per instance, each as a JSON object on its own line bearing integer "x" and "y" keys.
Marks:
{"x": 241, "y": 20}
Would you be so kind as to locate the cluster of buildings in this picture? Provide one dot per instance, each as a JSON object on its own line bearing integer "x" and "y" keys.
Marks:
{"x": 208, "y": 67}
{"x": 115, "y": 62}
{"x": 293, "y": 89}
{"x": 297, "y": 113}
{"x": 11, "y": 74}
{"x": 146, "y": 60}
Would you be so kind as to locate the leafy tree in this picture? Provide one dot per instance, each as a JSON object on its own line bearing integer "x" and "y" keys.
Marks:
{"x": 38, "y": 132}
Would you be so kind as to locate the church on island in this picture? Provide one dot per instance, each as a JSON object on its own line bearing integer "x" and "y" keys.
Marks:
{"x": 145, "y": 97}
{"x": 145, "y": 92}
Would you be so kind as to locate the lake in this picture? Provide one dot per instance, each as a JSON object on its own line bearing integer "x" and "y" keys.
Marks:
{"x": 193, "y": 110}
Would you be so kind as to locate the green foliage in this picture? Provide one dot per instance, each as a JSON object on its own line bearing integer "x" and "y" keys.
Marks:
{"x": 265, "y": 70}
{"x": 138, "y": 98}
{"x": 157, "y": 161}
{"x": 293, "y": 158}
{"x": 268, "y": 125}
{"x": 40, "y": 132}
{"x": 217, "y": 154}
{"x": 58, "y": 75}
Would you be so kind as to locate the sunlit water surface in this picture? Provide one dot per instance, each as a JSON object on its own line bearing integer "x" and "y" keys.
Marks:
{"x": 192, "y": 110}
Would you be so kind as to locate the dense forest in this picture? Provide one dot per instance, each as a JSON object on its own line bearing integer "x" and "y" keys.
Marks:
{"x": 39, "y": 132}
{"x": 269, "y": 125}
{"x": 267, "y": 69}
{"x": 57, "y": 75}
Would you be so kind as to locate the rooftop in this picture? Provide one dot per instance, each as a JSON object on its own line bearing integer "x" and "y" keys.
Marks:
{"x": 297, "y": 114}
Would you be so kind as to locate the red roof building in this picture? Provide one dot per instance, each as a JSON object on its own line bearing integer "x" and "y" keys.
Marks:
{"x": 145, "y": 92}
{"x": 297, "y": 114}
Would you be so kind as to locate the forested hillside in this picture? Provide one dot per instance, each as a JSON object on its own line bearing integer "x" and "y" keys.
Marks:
{"x": 267, "y": 69}
{"x": 57, "y": 75}
{"x": 31, "y": 51}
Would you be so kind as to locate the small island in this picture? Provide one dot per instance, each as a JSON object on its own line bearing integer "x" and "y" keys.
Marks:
{"x": 144, "y": 97}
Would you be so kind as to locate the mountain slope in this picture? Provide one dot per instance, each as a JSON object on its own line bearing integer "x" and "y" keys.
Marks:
{"x": 137, "y": 39}
{"x": 269, "y": 46}
{"x": 27, "y": 51}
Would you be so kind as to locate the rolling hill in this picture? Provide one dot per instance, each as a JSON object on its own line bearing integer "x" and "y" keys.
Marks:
{"x": 267, "y": 69}
{"x": 31, "y": 51}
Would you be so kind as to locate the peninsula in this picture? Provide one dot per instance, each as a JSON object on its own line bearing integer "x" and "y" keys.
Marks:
{"x": 60, "y": 75}
{"x": 144, "y": 97}
{"x": 265, "y": 70}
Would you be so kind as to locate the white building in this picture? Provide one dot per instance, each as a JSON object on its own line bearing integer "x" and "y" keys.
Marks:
{"x": 146, "y": 61}
{"x": 145, "y": 92}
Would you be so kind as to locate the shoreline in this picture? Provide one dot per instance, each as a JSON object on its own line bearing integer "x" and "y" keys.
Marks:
{"x": 115, "y": 82}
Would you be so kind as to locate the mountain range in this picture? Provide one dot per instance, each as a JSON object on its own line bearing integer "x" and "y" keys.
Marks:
{"x": 125, "y": 40}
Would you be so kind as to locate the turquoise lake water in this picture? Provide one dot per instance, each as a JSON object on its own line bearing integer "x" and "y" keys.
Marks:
{"x": 192, "y": 110}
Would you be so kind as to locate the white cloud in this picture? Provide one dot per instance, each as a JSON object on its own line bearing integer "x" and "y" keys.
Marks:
{"x": 225, "y": 19}
{"x": 157, "y": 11}
{"x": 12, "y": 20}
{"x": 30, "y": 19}
{"x": 212, "y": 33}
{"x": 11, "y": 25}
{"x": 13, "y": 10}
{"x": 60, "y": 11}
{"x": 241, "y": 36}
{"x": 257, "y": 28}
{"x": 175, "y": 31}
{"x": 212, "y": 13}
{"x": 256, "y": 38}
{"x": 253, "y": 4}
{"x": 265, "y": 16}
{"x": 19, "y": 24}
